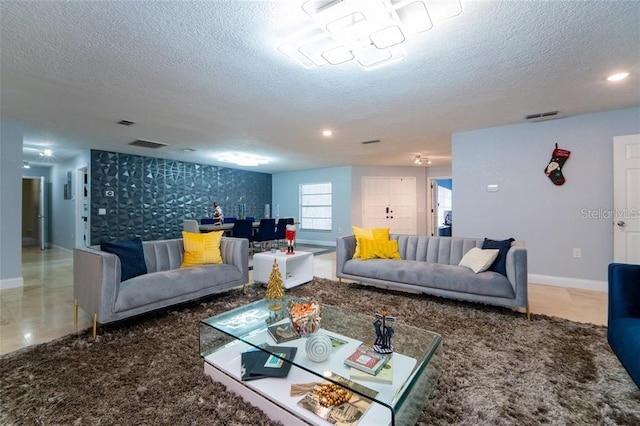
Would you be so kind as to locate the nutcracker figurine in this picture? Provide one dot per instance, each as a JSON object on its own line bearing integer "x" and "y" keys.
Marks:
{"x": 290, "y": 234}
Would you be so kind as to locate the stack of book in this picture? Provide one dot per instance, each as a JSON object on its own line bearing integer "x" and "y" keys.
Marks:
{"x": 365, "y": 359}
{"x": 258, "y": 364}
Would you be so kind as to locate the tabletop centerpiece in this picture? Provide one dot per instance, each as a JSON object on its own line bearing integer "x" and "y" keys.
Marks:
{"x": 304, "y": 315}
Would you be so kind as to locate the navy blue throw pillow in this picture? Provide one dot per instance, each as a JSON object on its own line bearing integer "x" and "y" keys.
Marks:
{"x": 500, "y": 264}
{"x": 131, "y": 256}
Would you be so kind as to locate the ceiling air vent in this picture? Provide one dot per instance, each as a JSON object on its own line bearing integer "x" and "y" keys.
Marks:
{"x": 371, "y": 141}
{"x": 126, "y": 122}
{"x": 147, "y": 144}
{"x": 541, "y": 116}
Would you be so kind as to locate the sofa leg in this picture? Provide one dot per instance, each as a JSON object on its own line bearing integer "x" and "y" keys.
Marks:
{"x": 75, "y": 311}
{"x": 528, "y": 312}
{"x": 339, "y": 280}
{"x": 244, "y": 289}
{"x": 95, "y": 326}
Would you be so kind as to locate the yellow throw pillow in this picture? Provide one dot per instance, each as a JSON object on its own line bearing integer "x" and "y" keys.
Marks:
{"x": 201, "y": 249}
{"x": 379, "y": 249}
{"x": 369, "y": 234}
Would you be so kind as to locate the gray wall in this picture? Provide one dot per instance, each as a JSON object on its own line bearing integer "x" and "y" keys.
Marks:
{"x": 10, "y": 204}
{"x": 286, "y": 190}
{"x": 528, "y": 206}
{"x": 63, "y": 212}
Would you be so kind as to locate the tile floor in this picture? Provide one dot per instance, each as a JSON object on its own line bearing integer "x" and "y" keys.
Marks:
{"x": 42, "y": 310}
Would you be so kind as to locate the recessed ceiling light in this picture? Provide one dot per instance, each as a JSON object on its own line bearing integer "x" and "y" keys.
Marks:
{"x": 618, "y": 76}
{"x": 187, "y": 150}
{"x": 327, "y": 133}
{"x": 242, "y": 159}
{"x": 46, "y": 153}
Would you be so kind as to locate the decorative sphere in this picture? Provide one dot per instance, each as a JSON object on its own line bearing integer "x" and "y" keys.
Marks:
{"x": 318, "y": 347}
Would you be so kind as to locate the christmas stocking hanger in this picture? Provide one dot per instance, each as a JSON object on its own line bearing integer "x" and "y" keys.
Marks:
{"x": 554, "y": 168}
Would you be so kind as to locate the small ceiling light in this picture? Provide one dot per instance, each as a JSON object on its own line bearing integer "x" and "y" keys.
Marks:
{"x": 46, "y": 153}
{"x": 26, "y": 165}
{"x": 243, "y": 159}
{"x": 187, "y": 150}
{"x": 617, "y": 77}
{"x": 327, "y": 133}
{"x": 418, "y": 160}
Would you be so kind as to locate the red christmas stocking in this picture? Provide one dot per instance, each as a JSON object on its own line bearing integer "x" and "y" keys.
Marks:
{"x": 554, "y": 168}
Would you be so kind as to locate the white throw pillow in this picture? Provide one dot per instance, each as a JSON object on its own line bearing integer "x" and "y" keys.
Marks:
{"x": 479, "y": 260}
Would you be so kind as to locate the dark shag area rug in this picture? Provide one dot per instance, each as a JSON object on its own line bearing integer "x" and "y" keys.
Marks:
{"x": 498, "y": 368}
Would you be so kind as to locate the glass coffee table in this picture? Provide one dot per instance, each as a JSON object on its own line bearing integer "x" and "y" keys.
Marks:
{"x": 415, "y": 366}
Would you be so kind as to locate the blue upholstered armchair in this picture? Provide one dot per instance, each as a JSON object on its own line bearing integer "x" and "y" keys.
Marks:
{"x": 624, "y": 316}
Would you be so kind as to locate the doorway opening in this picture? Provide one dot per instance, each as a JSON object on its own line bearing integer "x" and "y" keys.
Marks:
{"x": 35, "y": 212}
{"x": 441, "y": 208}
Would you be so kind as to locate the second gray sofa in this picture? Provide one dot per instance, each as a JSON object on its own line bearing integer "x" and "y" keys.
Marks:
{"x": 430, "y": 265}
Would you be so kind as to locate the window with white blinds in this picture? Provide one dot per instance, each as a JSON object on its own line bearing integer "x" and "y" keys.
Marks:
{"x": 315, "y": 206}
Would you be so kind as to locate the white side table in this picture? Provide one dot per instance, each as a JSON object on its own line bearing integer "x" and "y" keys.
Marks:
{"x": 295, "y": 269}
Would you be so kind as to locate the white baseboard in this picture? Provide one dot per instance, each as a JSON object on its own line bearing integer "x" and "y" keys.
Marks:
{"x": 316, "y": 243}
{"x": 61, "y": 248}
{"x": 583, "y": 284}
{"x": 11, "y": 283}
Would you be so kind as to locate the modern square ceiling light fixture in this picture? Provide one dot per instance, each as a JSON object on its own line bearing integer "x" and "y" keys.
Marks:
{"x": 243, "y": 159}
{"x": 370, "y": 31}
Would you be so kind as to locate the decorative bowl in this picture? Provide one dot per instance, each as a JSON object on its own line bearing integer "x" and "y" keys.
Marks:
{"x": 304, "y": 315}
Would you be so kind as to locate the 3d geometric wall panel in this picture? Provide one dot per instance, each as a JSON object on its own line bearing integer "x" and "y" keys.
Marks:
{"x": 150, "y": 197}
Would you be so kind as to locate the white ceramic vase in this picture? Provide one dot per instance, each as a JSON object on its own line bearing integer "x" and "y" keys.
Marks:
{"x": 318, "y": 347}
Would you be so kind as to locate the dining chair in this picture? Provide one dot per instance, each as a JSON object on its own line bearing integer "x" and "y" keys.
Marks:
{"x": 243, "y": 228}
{"x": 191, "y": 225}
{"x": 266, "y": 232}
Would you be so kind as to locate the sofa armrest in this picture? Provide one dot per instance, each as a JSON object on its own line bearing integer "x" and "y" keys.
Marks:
{"x": 235, "y": 251}
{"x": 624, "y": 291}
{"x": 345, "y": 247}
{"x": 96, "y": 280}
{"x": 517, "y": 271}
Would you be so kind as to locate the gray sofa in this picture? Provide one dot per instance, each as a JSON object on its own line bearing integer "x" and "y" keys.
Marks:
{"x": 97, "y": 288}
{"x": 430, "y": 265}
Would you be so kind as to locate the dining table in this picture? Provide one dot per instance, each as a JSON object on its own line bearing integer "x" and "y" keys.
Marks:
{"x": 223, "y": 227}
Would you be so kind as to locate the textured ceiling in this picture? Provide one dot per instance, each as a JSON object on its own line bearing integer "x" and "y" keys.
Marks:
{"x": 207, "y": 75}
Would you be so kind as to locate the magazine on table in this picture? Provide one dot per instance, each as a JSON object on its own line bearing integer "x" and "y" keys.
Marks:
{"x": 258, "y": 364}
{"x": 282, "y": 333}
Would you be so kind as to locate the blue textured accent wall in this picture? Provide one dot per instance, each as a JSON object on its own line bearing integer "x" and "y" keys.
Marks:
{"x": 152, "y": 196}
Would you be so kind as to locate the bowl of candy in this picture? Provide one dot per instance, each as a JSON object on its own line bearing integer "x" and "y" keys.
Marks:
{"x": 304, "y": 315}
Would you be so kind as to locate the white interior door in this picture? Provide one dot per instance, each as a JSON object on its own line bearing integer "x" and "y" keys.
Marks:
{"x": 43, "y": 208}
{"x": 626, "y": 199}
{"x": 375, "y": 193}
{"x": 389, "y": 202}
{"x": 402, "y": 202}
